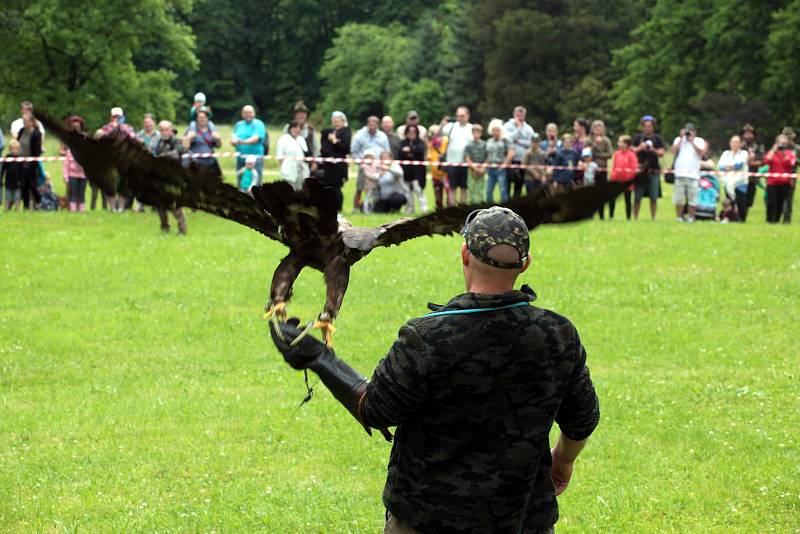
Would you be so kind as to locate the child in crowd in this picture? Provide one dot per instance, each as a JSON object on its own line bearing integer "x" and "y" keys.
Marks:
{"x": 625, "y": 167}
{"x": 12, "y": 177}
{"x": 475, "y": 156}
{"x": 437, "y": 148}
{"x": 728, "y": 213}
{"x": 535, "y": 171}
{"x": 74, "y": 176}
{"x": 49, "y": 198}
{"x": 248, "y": 175}
{"x": 588, "y": 166}
{"x": 567, "y": 159}
{"x": 371, "y": 169}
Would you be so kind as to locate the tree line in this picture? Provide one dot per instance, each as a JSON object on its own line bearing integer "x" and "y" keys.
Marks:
{"x": 717, "y": 63}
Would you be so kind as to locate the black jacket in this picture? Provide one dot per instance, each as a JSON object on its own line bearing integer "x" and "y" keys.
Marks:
{"x": 13, "y": 174}
{"x": 414, "y": 151}
{"x": 335, "y": 173}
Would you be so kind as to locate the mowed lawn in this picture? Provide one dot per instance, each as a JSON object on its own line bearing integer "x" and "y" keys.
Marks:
{"x": 140, "y": 392}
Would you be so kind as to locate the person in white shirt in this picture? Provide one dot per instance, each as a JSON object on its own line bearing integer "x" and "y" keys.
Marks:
{"x": 734, "y": 163}
{"x": 412, "y": 118}
{"x": 291, "y": 147}
{"x": 25, "y": 109}
{"x": 689, "y": 150}
{"x": 520, "y": 135}
{"x": 459, "y": 134}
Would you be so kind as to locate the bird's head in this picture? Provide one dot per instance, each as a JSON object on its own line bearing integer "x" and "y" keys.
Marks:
{"x": 344, "y": 224}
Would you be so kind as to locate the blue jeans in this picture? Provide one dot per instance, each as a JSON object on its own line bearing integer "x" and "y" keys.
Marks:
{"x": 259, "y": 169}
{"x": 496, "y": 177}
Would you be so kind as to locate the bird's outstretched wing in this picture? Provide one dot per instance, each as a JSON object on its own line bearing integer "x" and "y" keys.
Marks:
{"x": 161, "y": 181}
{"x": 542, "y": 207}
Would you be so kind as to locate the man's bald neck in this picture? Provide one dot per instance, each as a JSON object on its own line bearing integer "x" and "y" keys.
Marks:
{"x": 485, "y": 279}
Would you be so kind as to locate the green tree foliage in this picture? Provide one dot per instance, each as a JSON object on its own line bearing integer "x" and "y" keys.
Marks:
{"x": 78, "y": 56}
{"x": 542, "y": 53}
{"x": 363, "y": 69}
{"x": 271, "y": 53}
{"x": 718, "y": 63}
{"x": 589, "y": 98}
{"x": 782, "y": 83}
{"x": 425, "y": 96}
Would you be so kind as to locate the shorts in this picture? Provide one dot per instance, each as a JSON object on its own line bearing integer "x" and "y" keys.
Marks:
{"x": 649, "y": 188}
{"x": 686, "y": 190}
{"x": 457, "y": 177}
{"x": 13, "y": 195}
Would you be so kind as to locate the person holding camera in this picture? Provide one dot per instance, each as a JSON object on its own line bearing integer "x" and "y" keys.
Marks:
{"x": 649, "y": 147}
{"x": 781, "y": 160}
{"x": 689, "y": 150}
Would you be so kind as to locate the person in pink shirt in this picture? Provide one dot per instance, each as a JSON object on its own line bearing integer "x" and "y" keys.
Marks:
{"x": 74, "y": 176}
{"x": 625, "y": 168}
{"x": 781, "y": 160}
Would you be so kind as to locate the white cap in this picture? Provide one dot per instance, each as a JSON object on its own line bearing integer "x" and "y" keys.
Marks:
{"x": 250, "y": 159}
{"x": 200, "y": 97}
{"x": 117, "y": 112}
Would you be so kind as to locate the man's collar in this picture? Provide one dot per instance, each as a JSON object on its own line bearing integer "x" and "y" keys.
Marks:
{"x": 480, "y": 300}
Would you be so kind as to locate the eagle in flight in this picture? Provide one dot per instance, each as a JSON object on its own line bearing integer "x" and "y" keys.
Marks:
{"x": 305, "y": 221}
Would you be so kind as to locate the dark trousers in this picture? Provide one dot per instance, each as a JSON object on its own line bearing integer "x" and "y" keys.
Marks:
{"x": 515, "y": 178}
{"x": 787, "y": 205}
{"x": 393, "y": 203}
{"x": 337, "y": 194}
{"x": 612, "y": 205}
{"x": 742, "y": 206}
{"x": 751, "y": 190}
{"x": 601, "y": 178}
{"x": 776, "y": 198}
{"x": 96, "y": 191}
{"x": 77, "y": 190}
{"x": 30, "y": 188}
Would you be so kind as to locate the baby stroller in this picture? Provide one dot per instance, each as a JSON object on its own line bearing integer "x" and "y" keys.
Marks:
{"x": 707, "y": 198}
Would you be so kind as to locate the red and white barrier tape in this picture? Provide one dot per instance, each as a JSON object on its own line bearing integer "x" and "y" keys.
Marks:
{"x": 423, "y": 163}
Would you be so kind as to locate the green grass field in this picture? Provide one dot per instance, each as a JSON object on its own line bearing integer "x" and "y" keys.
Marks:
{"x": 140, "y": 392}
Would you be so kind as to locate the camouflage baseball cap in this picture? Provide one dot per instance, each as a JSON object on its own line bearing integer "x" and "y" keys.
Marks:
{"x": 488, "y": 227}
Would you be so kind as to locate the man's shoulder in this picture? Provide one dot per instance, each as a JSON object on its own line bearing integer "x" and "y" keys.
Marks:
{"x": 537, "y": 317}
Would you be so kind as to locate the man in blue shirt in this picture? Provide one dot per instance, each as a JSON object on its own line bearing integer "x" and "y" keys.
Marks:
{"x": 368, "y": 139}
{"x": 249, "y": 137}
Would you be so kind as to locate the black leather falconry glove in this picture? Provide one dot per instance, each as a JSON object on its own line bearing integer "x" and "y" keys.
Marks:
{"x": 347, "y": 385}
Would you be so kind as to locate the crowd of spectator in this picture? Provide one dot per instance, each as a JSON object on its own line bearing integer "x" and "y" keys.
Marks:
{"x": 467, "y": 164}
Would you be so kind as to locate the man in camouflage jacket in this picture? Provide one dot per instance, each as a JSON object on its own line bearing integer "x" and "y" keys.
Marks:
{"x": 473, "y": 388}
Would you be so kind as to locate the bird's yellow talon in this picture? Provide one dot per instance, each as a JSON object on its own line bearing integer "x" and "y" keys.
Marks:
{"x": 276, "y": 310}
{"x": 327, "y": 329}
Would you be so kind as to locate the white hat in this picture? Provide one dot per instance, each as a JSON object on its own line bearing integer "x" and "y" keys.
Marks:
{"x": 200, "y": 97}
{"x": 117, "y": 112}
{"x": 250, "y": 159}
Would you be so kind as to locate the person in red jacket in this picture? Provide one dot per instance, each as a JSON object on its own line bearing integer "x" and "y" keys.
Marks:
{"x": 781, "y": 160}
{"x": 625, "y": 167}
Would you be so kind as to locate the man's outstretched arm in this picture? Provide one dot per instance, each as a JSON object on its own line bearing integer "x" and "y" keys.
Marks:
{"x": 397, "y": 389}
{"x": 345, "y": 383}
